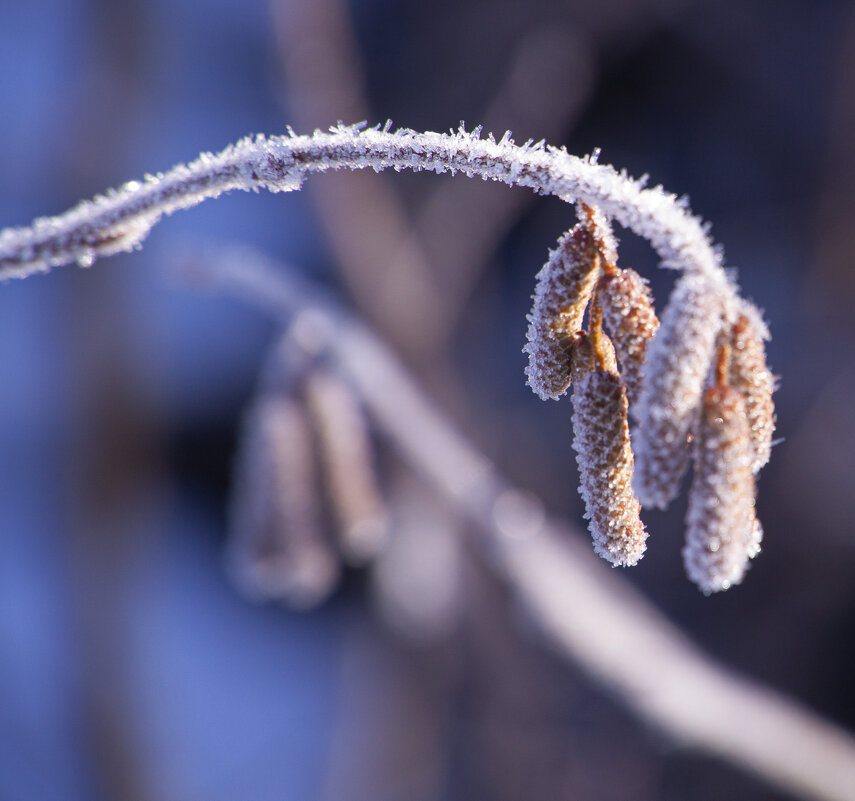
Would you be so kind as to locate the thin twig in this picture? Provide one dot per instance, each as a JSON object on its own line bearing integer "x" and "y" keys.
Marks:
{"x": 587, "y": 613}
{"x": 121, "y": 219}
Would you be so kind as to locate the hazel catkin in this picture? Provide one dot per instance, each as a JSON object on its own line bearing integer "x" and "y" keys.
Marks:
{"x": 563, "y": 290}
{"x": 631, "y": 319}
{"x": 750, "y": 374}
{"x": 722, "y": 530}
{"x": 604, "y": 455}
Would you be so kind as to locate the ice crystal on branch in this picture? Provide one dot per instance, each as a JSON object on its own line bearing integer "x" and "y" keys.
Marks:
{"x": 120, "y": 219}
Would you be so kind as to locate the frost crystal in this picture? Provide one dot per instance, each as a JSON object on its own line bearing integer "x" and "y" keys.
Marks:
{"x": 120, "y": 219}
{"x": 722, "y": 530}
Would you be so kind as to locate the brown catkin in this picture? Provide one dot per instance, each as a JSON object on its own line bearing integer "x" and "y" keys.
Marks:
{"x": 346, "y": 457}
{"x": 631, "y": 319}
{"x": 277, "y": 548}
{"x": 604, "y": 454}
{"x": 750, "y": 374}
{"x": 563, "y": 290}
{"x": 677, "y": 366}
{"x": 722, "y": 530}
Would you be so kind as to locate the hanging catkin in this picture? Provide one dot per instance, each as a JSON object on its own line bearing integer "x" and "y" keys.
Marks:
{"x": 631, "y": 320}
{"x": 563, "y": 290}
{"x": 603, "y": 453}
{"x": 750, "y": 374}
{"x": 677, "y": 366}
{"x": 722, "y": 530}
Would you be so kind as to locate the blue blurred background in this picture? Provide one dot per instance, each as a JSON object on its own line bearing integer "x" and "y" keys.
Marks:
{"x": 129, "y": 666}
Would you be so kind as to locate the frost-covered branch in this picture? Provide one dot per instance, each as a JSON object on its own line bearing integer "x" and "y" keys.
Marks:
{"x": 587, "y": 612}
{"x": 122, "y": 218}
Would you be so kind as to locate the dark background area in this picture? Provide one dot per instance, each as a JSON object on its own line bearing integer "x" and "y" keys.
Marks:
{"x": 130, "y": 668}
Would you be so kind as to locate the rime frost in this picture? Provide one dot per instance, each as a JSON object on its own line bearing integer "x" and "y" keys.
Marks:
{"x": 120, "y": 219}
{"x": 676, "y": 364}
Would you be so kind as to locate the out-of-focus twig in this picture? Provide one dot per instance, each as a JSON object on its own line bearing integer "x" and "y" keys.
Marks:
{"x": 832, "y": 287}
{"x": 387, "y": 274}
{"x": 113, "y": 450}
{"x": 413, "y": 278}
{"x": 462, "y": 222}
{"x": 587, "y": 612}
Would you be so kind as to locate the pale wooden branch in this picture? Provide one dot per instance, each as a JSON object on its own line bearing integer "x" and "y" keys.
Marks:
{"x": 587, "y": 612}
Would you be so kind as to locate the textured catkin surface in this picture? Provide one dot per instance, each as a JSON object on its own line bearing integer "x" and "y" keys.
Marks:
{"x": 631, "y": 319}
{"x": 722, "y": 531}
{"x": 604, "y": 455}
{"x": 675, "y": 371}
{"x": 749, "y": 373}
{"x": 561, "y": 295}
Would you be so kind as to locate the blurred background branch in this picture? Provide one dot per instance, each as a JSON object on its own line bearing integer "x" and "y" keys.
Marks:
{"x": 586, "y": 612}
{"x": 130, "y": 668}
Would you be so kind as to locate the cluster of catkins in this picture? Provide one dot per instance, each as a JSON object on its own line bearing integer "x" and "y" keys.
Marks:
{"x": 695, "y": 384}
{"x": 306, "y": 452}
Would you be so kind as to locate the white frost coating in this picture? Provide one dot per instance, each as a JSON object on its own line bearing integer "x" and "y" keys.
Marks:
{"x": 120, "y": 219}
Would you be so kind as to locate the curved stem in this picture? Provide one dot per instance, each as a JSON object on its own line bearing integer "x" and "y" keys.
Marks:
{"x": 120, "y": 219}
